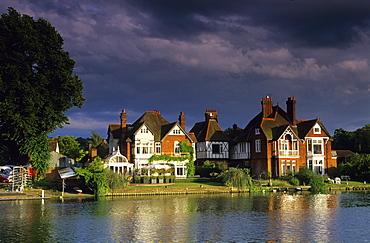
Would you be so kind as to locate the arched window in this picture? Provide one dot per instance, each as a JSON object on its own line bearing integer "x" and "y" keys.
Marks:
{"x": 118, "y": 159}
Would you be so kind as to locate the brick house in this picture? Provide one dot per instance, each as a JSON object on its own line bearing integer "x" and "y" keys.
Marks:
{"x": 275, "y": 141}
{"x": 149, "y": 135}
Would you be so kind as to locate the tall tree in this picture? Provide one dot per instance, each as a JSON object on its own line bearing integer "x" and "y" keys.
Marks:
{"x": 95, "y": 139}
{"x": 343, "y": 139}
{"x": 37, "y": 86}
{"x": 357, "y": 141}
{"x": 69, "y": 146}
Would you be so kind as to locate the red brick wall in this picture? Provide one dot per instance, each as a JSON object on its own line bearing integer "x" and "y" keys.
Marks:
{"x": 168, "y": 144}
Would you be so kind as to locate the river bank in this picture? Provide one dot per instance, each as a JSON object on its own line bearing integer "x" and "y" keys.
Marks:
{"x": 166, "y": 189}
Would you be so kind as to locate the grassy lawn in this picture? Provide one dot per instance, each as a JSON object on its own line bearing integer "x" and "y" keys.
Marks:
{"x": 179, "y": 185}
{"x": 210, "y": 184}
{"x": 350, "y": 183}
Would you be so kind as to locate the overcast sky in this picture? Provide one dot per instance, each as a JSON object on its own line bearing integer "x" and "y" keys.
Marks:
{"x": 189, "y": 56}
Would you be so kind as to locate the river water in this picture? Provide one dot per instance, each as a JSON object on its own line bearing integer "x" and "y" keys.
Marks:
{"x": 270, "y": 217}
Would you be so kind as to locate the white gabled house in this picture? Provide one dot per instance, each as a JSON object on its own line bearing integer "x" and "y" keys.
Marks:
{"x": 150, "y": 135}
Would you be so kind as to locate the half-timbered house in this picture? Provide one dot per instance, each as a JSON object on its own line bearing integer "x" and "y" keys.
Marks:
{"x": 212, "y": 143}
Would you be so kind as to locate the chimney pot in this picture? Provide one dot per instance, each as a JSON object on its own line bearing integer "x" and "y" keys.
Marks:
{"x": 291, "y": 110}
{"x": 182, "y": 120}
{"x": 266, "y": 106}
{"x": 211, "y": 114}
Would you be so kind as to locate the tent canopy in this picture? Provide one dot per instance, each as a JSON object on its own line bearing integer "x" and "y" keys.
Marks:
{"x": 157, "y": 166}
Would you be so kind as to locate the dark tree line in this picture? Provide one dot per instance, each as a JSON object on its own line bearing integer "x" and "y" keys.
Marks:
{"x": 357, "y": 166}
{"x": 357, "y": 141}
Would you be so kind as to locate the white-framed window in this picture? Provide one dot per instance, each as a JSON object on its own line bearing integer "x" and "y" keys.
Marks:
{"x": 257, "y": 131}
{"x": 317, "y": 129}
{"x": 283, "y": 167}
{"x": 138, "y": 148}
{"x": 144, "y": 148}
{"x": 242, "y": 147}
{"x": 257, "y": 144}
{"x": 177, "y": 147}
{"x": 176, "y": 131}
{"x": 158, "y": 148}
{"x": 284, "y": 145}
{"x": 144, "y": 130}
{"x": 317, "y": 146}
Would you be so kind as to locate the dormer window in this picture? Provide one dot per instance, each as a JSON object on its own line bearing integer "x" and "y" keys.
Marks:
{"x": 317, "y": 129}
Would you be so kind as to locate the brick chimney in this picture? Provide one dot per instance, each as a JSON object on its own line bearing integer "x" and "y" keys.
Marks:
{"x": 266, "y": 106}
{"x": 123, "y": 119}
{"x": 122, "y": 142}
{"x": 291, "y": 109}
{"x": 182, "y": 120}
{"x": 211, "y": 114}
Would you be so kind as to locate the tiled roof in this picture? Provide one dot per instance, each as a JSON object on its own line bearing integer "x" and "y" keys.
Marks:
{"x": 344, "y": 153}
{"x": 305, "y": 126}
{"x": 165, "y": 129}
{"x": 209, "y": 131}
{"x": 115, "y": 129}
{"x": 275, "y": 124}
{"x": 153, "y": 120}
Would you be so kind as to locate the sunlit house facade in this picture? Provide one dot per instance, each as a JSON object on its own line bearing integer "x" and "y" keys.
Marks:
{"x": 211, "y": 142}
{"x": 276, "y": 142}
{"x": 149, "y": 135}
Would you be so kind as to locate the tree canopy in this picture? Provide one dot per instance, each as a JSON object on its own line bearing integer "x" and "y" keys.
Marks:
{"x": 357, "y": 141}
{"x": 37, "y": 87}
{"x": 69, "y": 146}
{"x": 95, "y": 139}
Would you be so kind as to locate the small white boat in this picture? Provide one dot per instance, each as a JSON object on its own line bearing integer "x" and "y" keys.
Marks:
{"x": 77, "y": 189}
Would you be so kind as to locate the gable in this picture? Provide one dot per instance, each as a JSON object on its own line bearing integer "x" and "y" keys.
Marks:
{"x": 153, "y": 121}
{"x": 318, "y": 130}
{"x": 174, "y": 129}
{"x": 290, "y": 131}
{"x": 209, "y": 131}
{"x": 143, "y": 131}
{"x": 306, "y": 128}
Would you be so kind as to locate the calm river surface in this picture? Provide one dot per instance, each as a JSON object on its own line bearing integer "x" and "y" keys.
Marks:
{"x": 273, "y": 217}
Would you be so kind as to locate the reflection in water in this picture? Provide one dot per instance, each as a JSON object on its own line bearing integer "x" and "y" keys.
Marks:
{"x": 187, "y": 218}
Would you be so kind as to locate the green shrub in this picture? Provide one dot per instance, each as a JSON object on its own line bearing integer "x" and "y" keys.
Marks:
{"x": 317, "y": 183}
{"x": 95, "y": 176}
{"x": 294, "y": 181}
{"x": 236, "y": 177}
{"x": 116, "y": 181}
{"x": 42, "y": 183}
{"x": 304, "y": 175}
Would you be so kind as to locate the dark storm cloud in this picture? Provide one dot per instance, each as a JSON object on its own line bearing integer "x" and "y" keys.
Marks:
{"x": 311, "y": 23}
{"x": 192, "y": 55}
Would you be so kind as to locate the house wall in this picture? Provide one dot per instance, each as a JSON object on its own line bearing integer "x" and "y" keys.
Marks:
{"x": 168, "y": 144}
{"x": 205, "y": 151}
{"x": 240, "y": 151}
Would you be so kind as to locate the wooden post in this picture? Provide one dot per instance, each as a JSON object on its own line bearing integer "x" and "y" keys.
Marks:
{"x": 63, "y": 185}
